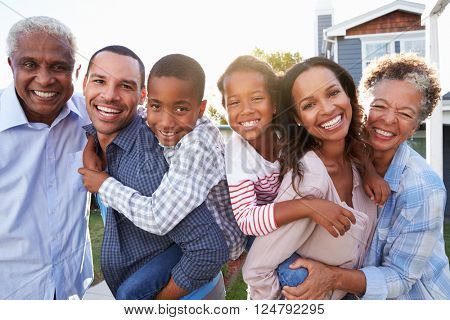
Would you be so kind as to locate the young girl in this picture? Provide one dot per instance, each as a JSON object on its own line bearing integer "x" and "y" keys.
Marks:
{"x": 249, "y": 89}
{"x": 250, "y": 94}
{"x": 320, "y": 158}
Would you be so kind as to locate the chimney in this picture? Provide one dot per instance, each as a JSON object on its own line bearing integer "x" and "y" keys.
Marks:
{"x": 323, "y": 20}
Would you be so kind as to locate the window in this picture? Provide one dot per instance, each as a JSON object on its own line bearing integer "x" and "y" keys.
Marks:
{"x": 415, "y": 45}
{"x": 375, "y": 49}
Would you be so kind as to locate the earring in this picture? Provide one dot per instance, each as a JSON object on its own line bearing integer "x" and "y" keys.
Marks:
{"x": 299, "y": 124}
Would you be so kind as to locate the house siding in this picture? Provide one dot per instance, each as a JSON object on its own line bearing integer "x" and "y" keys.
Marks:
{"x": 349, "y": 57}
{"x": 396, "y": 21}
{"x": 323, "y": 22}
{"x": 446, "y": 167}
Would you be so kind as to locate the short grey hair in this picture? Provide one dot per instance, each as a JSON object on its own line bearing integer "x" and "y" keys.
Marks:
{"x": 406, "y": 67}
{"x": 43, "y": 24}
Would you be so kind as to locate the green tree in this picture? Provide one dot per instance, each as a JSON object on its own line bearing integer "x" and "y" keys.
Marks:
{"x": 215, "y": 115}
{"x": 280, "y": 61}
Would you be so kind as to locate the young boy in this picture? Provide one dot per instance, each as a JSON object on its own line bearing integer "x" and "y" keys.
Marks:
{"x": 193, "y": 148}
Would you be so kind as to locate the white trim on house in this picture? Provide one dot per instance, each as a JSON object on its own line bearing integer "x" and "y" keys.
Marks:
{"x": 336, "y": 57}
{"x": 390, "y": 38}
{"x": 394, "y": 35}
{"x": 434, "y": 128}
{"x": 437, "y": 9}
{"x": 341, "y": 28}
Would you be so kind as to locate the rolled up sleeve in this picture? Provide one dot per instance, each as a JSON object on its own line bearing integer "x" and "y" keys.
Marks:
{"x": 376, "y": 287}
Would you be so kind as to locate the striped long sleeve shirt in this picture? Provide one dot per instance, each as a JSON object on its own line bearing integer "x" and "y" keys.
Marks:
{"x": 253, "y": 185}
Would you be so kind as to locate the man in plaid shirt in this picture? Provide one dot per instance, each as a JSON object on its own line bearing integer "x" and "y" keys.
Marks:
{"x": 190, "y": 254}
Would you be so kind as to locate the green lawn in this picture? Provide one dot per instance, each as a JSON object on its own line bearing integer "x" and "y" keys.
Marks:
{"x": 236, "y": 289}
{"x": 96, "y": 230}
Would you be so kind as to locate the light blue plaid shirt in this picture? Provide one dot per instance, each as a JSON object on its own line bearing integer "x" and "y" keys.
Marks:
{"x": 407, "y": 259}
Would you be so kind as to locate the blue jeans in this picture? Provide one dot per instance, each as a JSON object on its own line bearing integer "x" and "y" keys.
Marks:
{"x": 153, "y": 276}
{"x": 291, "y": 277}
{"x": 286, "y": 276}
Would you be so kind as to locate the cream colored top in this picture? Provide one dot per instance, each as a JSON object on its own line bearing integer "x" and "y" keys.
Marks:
{"x": 307, "y": 238}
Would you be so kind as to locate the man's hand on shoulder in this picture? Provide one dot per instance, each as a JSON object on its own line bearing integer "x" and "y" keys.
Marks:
{"x": 93, "y": 180}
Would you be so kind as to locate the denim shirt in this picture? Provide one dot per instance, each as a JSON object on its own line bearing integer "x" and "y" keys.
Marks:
{"x": 135, "y": 159}
{"x": 407, "y": 259}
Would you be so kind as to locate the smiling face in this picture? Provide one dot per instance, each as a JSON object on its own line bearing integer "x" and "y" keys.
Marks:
{"x": 42, "y": 68}
{"x": 321, "y": 104}
{"x": 248, "y": 103}
{"x": 112, "y": 89}
{"x": 393, "y": 116}
{"x": 172, "y": 108}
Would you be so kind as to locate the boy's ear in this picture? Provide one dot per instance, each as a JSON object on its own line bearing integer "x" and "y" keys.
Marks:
{"x": 202, "y": 108}
{"x": 143, "y": 95}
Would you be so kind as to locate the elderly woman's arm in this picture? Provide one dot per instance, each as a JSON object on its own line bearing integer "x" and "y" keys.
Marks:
{"x": 400, "y": 268}
{"x": 323, "y": 278}
{"x": 410, "y": 251}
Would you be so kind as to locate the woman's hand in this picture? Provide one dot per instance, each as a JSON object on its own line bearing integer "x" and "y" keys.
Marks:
{"x": 376, "y": 188}
{"x": 318, "y": 284}
{"x": 334, "y": 218}
{"x": 93, "y": 180}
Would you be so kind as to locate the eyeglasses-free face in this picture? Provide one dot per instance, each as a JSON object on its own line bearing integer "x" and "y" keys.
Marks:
{"x": 393, "y": 114}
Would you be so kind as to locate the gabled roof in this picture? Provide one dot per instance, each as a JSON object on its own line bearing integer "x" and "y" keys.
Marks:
{"x": 446, "y": 96}
{"x": 341, "y": 28}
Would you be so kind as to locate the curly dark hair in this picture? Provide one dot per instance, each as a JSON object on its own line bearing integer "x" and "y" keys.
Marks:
{"x": 296, "y": 139}
{"x": 251, "y": 63}
{"x": 408, "y": 67}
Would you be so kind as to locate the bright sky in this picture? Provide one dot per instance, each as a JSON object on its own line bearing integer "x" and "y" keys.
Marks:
{"x": 213, "y": 32}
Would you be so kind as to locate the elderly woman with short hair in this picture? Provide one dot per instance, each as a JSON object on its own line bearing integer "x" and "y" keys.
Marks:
{"x": 406, "y": 259}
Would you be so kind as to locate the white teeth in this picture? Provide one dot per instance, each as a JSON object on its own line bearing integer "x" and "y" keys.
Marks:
{"x": 384, "y": 133}
{"x": 108, "y": 110}
{"x": 249, "y": 123}
{"x": 332, "y": 122}
{"x": 45, "y": 94}
{"x": 167, "y": 134}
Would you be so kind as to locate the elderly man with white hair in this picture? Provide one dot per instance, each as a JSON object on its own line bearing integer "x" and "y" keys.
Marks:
{"x": 45, "y": 250}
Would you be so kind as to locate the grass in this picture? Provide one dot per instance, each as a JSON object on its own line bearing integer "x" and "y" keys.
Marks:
{"x": 236, "y": 288}
{"x": 96, "y": 230}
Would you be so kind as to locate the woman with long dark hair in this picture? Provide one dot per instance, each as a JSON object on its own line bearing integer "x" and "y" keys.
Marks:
{"x": 322, "y": 156}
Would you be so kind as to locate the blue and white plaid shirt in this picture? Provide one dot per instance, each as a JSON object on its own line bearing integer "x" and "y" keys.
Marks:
{"x": 407, "y": 259}
{"x": 196, "y": 174}
{"x": 136, "y": 160}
